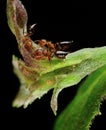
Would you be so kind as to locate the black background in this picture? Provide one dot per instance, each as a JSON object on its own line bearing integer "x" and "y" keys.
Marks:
{"x": 82, "y": 22}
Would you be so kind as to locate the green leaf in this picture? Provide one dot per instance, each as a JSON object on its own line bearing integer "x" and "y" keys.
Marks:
{"x": 63, "y": 74}
{"x": 37, "y": 77}
{"x": 80, "y": 113}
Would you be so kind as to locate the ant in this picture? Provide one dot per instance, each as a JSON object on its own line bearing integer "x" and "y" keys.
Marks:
{"x": 50, "y": 49}
{"x": 47, "y": 49}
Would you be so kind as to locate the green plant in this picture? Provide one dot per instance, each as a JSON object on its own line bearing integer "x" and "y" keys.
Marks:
{"x": 37, "y": 77}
